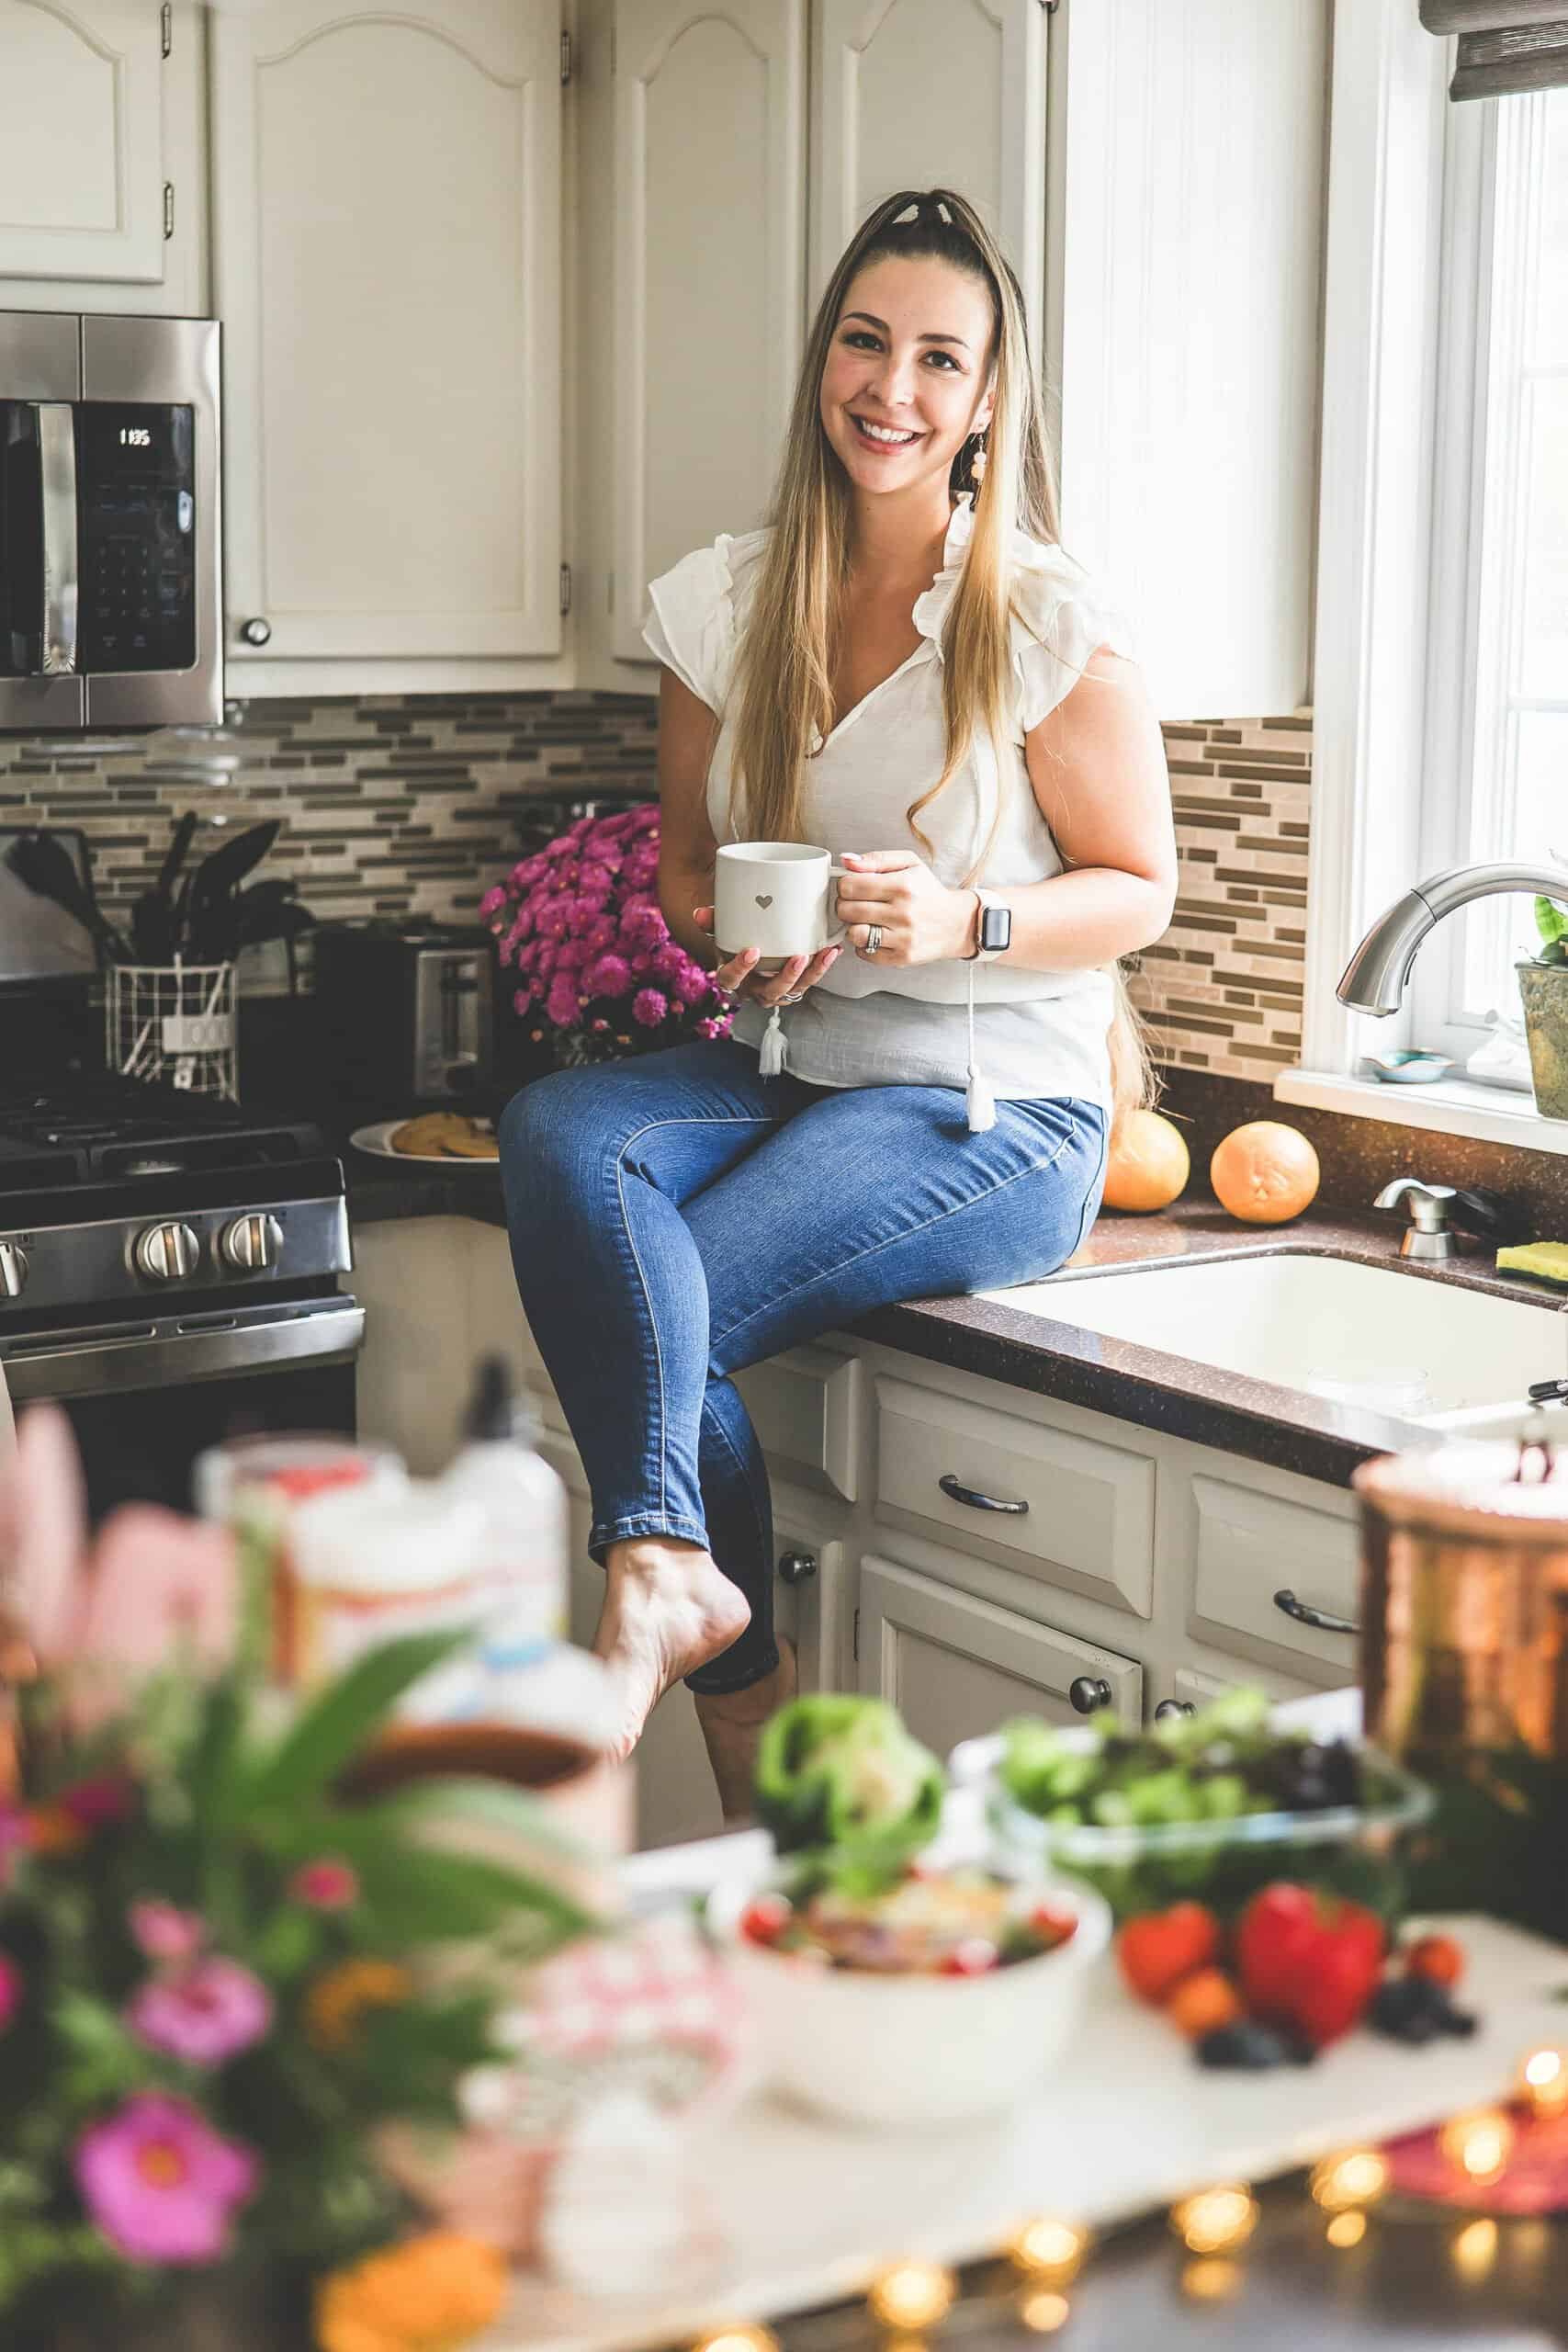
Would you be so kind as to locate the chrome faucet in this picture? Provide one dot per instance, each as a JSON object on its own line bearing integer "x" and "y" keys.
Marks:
{"x": 1374, "y": 978}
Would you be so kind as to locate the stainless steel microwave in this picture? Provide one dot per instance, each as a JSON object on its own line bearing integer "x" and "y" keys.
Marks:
{"x": 110, "y": 611}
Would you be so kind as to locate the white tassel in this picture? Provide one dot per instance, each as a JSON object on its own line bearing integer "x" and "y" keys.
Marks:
{"x": 979, "y": 1100}
{"x": 770, "y": 1054}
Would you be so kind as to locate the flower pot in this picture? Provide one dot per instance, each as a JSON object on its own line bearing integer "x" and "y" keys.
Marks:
{"x": 1544, "y": 991}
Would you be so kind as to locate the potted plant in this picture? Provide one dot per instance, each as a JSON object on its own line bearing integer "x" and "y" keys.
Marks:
{"x": 1544, "y": 985}
{"x": 225, "y": 1989}
{"x": 599, "y": 976}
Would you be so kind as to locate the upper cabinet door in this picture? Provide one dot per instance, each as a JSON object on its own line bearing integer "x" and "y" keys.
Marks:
{"x": 710, "y": 202}
{"x": 1187, "y": 255}
{"x": 931, "y": 94}
{"x": 387, "y": 260}
{"x": 82, "y": 140}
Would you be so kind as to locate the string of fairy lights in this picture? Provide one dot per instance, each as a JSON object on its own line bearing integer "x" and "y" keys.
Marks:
{"x": 910, "y": 2298}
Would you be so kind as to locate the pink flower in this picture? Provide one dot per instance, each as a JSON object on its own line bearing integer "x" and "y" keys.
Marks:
{"x": 10, "y": 1991}
{"x": 162, "y": 1932}
{"x": 642, "y": 926}
{"x": 562, "y": 1003}
{"x": 91, "y": 1803}
{"x": 593, "y": 881}
{"x": 708, "y": 1028}
{"x": 607, "y": 976}
{"x": 160, "y": 2183}
{"x": 326, "y": 1886}
{"x": 491, "y": 903}
{"x": 207, "y": 2014}
{"x": 649, "y": 1008}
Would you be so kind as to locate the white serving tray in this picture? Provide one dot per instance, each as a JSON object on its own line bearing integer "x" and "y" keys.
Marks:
{"x": 802, "y": 2212}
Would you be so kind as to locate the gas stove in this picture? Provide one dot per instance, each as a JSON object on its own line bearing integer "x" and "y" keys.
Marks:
{"x": 169, "y": 1273}
{"x": 170, "y": 1263}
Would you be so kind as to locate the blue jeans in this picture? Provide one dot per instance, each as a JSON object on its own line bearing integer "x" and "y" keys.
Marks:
{"x": 678, "y": 1217}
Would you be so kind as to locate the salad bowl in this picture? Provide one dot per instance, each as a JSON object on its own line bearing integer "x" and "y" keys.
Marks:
{"x": 884, "y": 2050}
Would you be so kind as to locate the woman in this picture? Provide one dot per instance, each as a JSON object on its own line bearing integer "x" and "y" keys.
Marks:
{"x": 925, "y": 674}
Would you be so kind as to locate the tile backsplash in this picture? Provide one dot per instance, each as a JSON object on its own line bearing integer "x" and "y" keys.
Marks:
{"x": 391, "y": 804}
{"x": 399, "y": 805}
{"x": 1223, "y": 989}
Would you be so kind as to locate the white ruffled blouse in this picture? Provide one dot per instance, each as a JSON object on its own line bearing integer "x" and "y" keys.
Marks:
{"x": 1038, "y": 1034}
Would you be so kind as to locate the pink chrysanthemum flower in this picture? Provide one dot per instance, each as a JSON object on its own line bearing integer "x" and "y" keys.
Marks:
{"x": 161, "y": 1932}
{"x": 160, "y": 2183}
{"x": 205, "y": 2015}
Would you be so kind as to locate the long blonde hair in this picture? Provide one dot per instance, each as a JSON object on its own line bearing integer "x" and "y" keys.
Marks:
{"x": 782, "y": 687}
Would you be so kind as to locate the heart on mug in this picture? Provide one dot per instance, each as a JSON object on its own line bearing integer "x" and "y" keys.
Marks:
{"x": 765, "y": 902}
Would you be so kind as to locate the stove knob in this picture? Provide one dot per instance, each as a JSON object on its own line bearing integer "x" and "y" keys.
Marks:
{"x": 13, "y": 1269}
{"x": 252, "y": 1242}
{"x": 166, "y": 1253}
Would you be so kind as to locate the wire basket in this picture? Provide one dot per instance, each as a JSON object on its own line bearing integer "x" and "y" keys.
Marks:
{"x": 175, "y": 1023}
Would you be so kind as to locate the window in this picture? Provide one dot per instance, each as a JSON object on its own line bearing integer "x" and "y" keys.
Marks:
{"x": 1495, "y": 765}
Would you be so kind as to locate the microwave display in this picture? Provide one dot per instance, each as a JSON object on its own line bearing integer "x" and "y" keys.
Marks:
{"x": 136, "y": 518}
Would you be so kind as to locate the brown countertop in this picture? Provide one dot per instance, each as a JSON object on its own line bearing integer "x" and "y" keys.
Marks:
{"x": 1146, "y": 1387}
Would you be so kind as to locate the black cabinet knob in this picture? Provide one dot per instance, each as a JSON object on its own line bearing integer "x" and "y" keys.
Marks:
{"x": 1169, "y": 1708}
{"x": 1088, "y": 1693}
{"x": 796, "y": 1568}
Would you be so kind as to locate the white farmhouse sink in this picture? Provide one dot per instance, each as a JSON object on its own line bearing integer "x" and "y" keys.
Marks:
{"x": 1381, "y": 1336}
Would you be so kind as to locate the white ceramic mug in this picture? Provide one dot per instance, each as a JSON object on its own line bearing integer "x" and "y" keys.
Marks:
{"x": 776, "y": 897}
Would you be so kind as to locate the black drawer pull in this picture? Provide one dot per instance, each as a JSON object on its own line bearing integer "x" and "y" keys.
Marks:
{"x": 975, "y": 1498}
{"x": 1088, "y": 1693}
{"x": 796, "y": 1568}
{"x": 1170, "y": 1710}
{"x": 1319, "y": 1619}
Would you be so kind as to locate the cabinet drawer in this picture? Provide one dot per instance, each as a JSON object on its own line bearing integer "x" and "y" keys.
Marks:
{"x": 1247, "y": 1546}
{"x": 1087, "y": 1515}
{"x": 805, "y": 1408}
{"x": 956, "y": 1667}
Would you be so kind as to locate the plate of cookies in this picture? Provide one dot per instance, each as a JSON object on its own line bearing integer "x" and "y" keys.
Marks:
{"x": 446, "y": 1136}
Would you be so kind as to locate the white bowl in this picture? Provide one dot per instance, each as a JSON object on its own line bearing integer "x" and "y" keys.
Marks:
{"x": 878, "y": 2050}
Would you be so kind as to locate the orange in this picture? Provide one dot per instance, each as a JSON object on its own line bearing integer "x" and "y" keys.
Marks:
{"x": 1148, "y": 1163}
{"x": 1203, "y": 2003}
{"x": 1264, "y": 1172}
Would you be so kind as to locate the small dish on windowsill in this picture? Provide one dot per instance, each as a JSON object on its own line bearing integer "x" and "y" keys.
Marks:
{"x": 1409, "y": 1065}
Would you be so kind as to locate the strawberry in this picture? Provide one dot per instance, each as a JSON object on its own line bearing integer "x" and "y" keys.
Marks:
{"x": 1158, "y": 1950}
{"x": 1308, "y": 1960}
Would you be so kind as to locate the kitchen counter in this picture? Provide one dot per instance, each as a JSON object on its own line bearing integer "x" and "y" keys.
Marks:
{"x": 1023, "y": 1349}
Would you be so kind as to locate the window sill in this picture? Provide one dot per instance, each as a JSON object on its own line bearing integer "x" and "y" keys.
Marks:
{"x": 1454, "y": 1107}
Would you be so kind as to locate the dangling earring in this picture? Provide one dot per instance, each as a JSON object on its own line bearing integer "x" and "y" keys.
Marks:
{"x": 976, "y": 465}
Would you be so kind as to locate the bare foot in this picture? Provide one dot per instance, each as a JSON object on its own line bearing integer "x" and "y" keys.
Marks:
{"x": 667, "y": 1611}
{"x": 732, "y": 1724}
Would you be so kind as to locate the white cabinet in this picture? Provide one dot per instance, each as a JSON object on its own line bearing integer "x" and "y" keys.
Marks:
{"x": 805, "y": 1408}
{"x": 1248, "y": 1546}
{"x": 1185, "y": 244}
{"x": 387, "y": 260}
{"x": 707, "y": 166}
{"x": 956, "y": 1666}
{"x": 931, "y": 94}
{"x": 1019, "y": 1487}
{"x": 82, "y": 140}
{"x": 102, "y": 156}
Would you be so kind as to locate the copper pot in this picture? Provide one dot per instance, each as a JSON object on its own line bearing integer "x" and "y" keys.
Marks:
{"x": 1464, "y": 1620}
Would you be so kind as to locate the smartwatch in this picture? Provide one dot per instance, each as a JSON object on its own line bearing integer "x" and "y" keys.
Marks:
{"x": 993, "y": 929}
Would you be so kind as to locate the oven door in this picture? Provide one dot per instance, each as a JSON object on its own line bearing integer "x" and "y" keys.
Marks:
{"x": 146, "y": 1398}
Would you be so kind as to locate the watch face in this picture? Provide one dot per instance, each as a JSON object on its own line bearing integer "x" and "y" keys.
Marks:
{"x": 996, "y": 928}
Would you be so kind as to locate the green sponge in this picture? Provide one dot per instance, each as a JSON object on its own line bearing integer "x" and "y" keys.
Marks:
{"x": 1546, "y": 1258}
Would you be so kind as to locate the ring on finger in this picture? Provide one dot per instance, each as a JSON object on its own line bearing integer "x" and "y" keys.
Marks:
{"x": 873, "y": 937}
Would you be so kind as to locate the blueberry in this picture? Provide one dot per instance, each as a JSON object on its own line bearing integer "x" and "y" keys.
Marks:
{"x": 1252, "y": 2047}
{"x": 1462, "y": 2023}
{"x": 1396, "y": 2003}
{"x": 1298, "y": 2050}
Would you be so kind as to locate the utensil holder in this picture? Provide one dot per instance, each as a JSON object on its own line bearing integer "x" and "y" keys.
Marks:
{"x": 175, "y": 1023}
{"x": 1543, "y": 988}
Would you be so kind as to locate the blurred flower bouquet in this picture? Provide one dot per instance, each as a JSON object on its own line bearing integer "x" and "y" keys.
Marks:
{"x": 598, "y": 974}
{"x": 220, "y": 1983}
